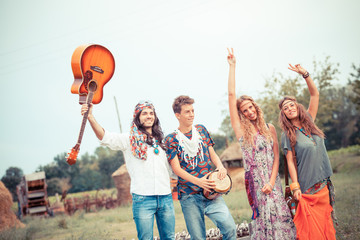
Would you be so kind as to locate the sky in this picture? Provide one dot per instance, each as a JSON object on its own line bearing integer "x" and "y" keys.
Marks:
{"x": 162, "y": 49}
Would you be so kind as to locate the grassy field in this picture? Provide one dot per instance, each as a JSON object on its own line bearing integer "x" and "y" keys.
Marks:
{"x": 118, "y": 224}
{"x": 109, "y": 224}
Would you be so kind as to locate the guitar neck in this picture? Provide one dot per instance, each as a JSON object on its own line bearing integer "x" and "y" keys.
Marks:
{"x": 85, "y": 116}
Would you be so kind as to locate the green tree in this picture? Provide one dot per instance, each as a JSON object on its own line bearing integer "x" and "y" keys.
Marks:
{"x": 354, "y": 82}
{"x": 53, "y": 186}
{"x": 338, "y": 114}
{"x": 59, "y": 168}
{"x": 109, "y": 164}
{"x": 324, "y": 74}
{"x": 344, "y": 118}
{"x": 86, "y": 180}
{"x": 221, "y": 142}
{"x": 354, "y": 85}
{"x": 87, "y": 159}
{"x": 11, "y": 179}
{"x": 226, "y": 128}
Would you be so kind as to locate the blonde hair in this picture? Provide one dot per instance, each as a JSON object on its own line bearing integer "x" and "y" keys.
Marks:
{"x": 247, "y": 126}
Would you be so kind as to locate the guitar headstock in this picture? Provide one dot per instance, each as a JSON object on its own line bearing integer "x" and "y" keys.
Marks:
{"x": 72, "y": 156}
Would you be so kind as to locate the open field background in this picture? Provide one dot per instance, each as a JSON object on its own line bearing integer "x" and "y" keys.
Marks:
{"x": 118, "y": 224}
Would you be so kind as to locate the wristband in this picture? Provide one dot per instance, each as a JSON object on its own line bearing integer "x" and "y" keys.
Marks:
{"x": 306, "y": 74}
{"x": 294, "y": 185}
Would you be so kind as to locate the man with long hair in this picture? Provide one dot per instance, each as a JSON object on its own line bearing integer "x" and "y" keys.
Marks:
{"x": 149, "y": 170}
{"x": 190, "y": 152}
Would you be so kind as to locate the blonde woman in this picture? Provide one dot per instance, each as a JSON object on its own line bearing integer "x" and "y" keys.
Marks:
{"x": 258, "y": 140}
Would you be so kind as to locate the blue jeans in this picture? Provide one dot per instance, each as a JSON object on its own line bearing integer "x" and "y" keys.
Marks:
{"x": 196, "y": 206}
{"x": 145, "y": 207}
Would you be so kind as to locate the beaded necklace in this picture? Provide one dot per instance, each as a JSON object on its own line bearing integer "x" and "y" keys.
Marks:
{"x": 308, "y": 135}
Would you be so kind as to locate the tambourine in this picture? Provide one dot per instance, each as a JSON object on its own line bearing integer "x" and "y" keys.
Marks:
{"x": 223, "y": 186}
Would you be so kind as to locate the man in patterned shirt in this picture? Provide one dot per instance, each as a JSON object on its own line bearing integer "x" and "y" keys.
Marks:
{"x": 189, "y": 151}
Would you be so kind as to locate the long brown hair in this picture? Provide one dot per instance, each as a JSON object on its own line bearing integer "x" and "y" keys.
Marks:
{"x": 157, "y": 132}
{"x": 248, "y": 126}
{"x": 305, "y": 120}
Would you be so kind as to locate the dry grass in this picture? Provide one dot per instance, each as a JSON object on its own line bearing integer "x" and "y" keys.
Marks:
{"x": 110, "y": 224}
{"x": 118, "y": 223}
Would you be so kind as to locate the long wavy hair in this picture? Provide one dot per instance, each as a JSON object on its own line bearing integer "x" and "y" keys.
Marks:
{"x": 157, "y": 132}
{"x": 247, "y": 126}
{"x": 304, "y": 117}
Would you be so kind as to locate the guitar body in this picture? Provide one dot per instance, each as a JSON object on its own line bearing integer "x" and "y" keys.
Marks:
{"x": 93, "y": 66}
{"x": 91, "y": 62}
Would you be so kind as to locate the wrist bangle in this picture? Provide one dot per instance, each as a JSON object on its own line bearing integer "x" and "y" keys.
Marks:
{"x": 272, "y": 187}
{"x": 306, "y": 74}
{"x": 294, "y": 185}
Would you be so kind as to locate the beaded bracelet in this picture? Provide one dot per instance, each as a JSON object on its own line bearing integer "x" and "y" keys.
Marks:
{"x": 305, "y": 75}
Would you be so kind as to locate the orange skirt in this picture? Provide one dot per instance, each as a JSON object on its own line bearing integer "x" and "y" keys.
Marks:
{"x": 313, "y": 217}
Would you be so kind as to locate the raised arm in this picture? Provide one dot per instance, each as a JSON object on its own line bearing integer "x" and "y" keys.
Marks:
{"x": 314, "y": 93}
{"x": 234, "y": 116}
{"x": 98, "y": 130}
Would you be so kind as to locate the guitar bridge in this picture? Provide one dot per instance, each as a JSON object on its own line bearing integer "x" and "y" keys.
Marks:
{"x": 97, "y": 69}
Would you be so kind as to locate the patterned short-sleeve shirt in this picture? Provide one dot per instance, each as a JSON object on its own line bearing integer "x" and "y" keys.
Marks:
{"x": 201, "y": 169}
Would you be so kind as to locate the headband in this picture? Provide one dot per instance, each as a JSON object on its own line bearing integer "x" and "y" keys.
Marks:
{"x": 287, "y": 101}
{"x": 137, "y": 138}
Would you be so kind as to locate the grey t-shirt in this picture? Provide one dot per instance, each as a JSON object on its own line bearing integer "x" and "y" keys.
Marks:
{"x": 312, "y": 160}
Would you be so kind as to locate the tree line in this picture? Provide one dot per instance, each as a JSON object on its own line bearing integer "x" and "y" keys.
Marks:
{"x": 338, "y": 116}
{"x": 339, "y": 106}
{"x": 91, "y": 172}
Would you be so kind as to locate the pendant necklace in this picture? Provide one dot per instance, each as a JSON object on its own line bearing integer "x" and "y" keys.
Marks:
{"x": 156, "y": 147}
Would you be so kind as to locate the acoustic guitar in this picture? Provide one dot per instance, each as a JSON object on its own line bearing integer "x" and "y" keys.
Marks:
{"x": 93, "y": 66}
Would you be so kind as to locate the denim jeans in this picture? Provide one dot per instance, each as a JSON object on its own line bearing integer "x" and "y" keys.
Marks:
{"x": 196, "y": 206}
{"x": 146, "y": 207}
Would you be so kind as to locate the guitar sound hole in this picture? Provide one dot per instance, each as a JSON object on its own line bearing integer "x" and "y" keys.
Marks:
{"x": 92, "y": 86}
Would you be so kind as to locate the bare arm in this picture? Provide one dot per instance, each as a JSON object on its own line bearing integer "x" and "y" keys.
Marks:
{"x": 217, "y": 162}
{"x": 98, "y": 130}
{"x": 201, "y": 182}
{"x": 314, "y": 97}
{"x": 275, "y": 168}
{"x": 293, "y": 173}
{"x": 234, "y": 116}
{"x": 314, "y": 93}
